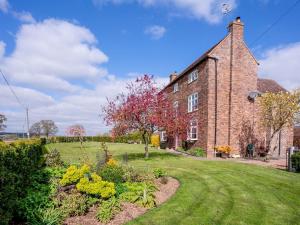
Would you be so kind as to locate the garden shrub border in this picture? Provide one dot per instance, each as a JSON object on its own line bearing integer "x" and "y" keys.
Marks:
{"x": 20, "y": 161}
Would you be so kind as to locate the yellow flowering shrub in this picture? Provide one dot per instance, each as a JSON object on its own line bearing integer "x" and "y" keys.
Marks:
{"x": 112, "y": 162}
{"x": 155, "y": 140}
{"x": 74, "y": 174}
{"x": 224, "y": 149}
{"x": 96, "y": 186}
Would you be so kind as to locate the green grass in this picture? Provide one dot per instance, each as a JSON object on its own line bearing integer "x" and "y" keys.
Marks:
{"x": 211, "y": 192}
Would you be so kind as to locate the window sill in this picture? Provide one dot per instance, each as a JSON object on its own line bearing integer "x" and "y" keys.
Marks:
{"x": 195, "y": 110}
{"x": 192, "y": 81}
{"x": 192, "y": 140}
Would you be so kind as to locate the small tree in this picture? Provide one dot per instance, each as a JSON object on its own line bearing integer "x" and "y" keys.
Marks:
{"x": 78, "y": 131}
{"x": 137, "y": 110}
{"x": 36, "y": 129}
{"x": 2, "y": 122}
{"x": 278, "y": 111}
{"x": 48, "y": 127}
{"x": 175, "y": 120}
{"x": 43, "y": 127}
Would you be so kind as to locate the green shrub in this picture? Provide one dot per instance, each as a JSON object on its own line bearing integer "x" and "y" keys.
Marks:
{"x": 112, "y": 173}
{"x": 140, "y": 193}
{"x": 296, "y": 161}
{"x": 53, "y": 158}
{"x": 91, "y": 201}
{"x": 39, "y": 196}
{"x": 19, "y": 162}
{"x": 120, "y": 189}
{"x": 72, "y": 204}
{"x": 158, "y": 172}
{"x": 48, "y": 216}
{"x": 108, "y": 209}
{"x": 131, "y": 174}
{"x": 74, "y": 174}
{"x": 96, "y": 186}
{"x": 199, "y": 152}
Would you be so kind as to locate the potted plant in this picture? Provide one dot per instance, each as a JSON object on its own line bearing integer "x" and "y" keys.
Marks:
{"x": 224, "y": 150}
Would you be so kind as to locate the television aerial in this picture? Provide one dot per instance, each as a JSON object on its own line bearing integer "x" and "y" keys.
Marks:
{"x": 226, "y": 9}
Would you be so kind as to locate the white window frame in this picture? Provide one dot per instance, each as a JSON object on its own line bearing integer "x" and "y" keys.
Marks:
{"x": 193, "y": 102}
{"x": 163, "y": 136}
{"x": 176, "y": 106}
{"x": 193, "y": 131}
{"x": 193, "y": 76}
{"x": 175, "y": 87}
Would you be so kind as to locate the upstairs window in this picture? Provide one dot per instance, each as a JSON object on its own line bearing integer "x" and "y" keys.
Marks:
{"x": 193, "y": 76}
{"x": 175, "y": 106}
{"x": 193, "y": 131}
{"x": 175, "y": 87}
{"x": 193, "y": 102}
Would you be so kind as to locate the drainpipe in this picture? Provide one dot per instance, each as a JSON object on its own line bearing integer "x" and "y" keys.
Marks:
{"x": 279, "y": 150}
{"x": 216, "y": 99}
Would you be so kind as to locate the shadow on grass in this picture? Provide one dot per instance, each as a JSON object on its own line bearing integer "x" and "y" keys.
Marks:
{"x": 152, "y": 156}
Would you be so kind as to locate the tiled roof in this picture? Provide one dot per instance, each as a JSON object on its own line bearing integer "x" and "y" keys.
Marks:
{"x": 196, "y": 62}
{"x": 268, "y": 85}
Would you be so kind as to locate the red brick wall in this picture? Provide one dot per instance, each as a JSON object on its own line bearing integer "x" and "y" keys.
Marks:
{"x": 236, "y": 78}
{"x": 200, "y": 85}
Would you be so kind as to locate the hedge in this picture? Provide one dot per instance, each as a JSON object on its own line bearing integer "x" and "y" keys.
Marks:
{"x": 120, "y": 139}
{"x": 19, "y": 161}
{"x": 296, "y": 161}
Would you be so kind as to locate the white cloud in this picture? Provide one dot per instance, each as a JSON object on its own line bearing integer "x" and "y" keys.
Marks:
{"x": 23, "y": 16}
{"x": 84, "y": 107}
{"x": 156, "y": 32}
{"x": 28, "y": 97}
{"x": 282, "y": 64}
{"x": 209, "y": 10}
{"x": 51, "y": 52}
{"x": 48, "y": 69}
{"x": 2, "y": 49}
{"x": 4, "y": 6}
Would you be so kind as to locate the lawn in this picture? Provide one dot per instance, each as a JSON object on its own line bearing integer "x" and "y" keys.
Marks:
{"x": 211, "y": 192}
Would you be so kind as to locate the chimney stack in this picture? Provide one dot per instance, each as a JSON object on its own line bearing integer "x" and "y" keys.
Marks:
{"x": 173, "y": 76}
{"x": 236, "y": 27}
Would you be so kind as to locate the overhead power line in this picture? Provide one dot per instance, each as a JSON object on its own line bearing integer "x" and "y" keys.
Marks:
{"x": 284, "y": 14}
{"x": 11, "y": 89}
{"x": 18, "y": 100}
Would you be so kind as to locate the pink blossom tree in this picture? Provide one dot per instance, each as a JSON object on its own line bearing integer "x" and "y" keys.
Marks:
{"x": 174, "y": 119}
{"x": 78, "y": 131}
{"x": 137, "y": 110}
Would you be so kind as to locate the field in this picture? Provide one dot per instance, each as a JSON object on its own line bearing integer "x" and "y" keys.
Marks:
{"x": 211, "y": 192}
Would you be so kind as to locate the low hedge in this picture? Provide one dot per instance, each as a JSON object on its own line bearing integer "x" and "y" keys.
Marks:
{"x": 296, "y": 161}
{"x": 19, "y": 161}
{"x": 120, "y": 139}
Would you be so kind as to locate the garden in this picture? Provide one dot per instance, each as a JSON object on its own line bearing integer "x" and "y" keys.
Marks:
{"x": 47, "y": 190}
{"x": 63, "y": 183}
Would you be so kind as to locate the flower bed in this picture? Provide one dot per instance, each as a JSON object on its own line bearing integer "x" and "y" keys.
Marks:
{"x": 110, "y": 191}
{"x": 105, "y": 192}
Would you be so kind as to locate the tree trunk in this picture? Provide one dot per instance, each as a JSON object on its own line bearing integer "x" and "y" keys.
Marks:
{"x": 269, "y": 143}
{"x": 146, "y": 145}
{"x": 146, "y": 151}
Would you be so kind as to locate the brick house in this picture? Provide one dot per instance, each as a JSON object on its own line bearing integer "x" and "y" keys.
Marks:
{"x": 216, "y": 89}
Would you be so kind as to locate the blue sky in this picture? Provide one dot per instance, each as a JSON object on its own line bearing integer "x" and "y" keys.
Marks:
{"x": 64, "y": 57}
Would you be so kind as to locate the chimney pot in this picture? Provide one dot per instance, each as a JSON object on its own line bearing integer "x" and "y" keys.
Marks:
{"x": 173, "y": 76}
{"x": 237, "y": 27}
